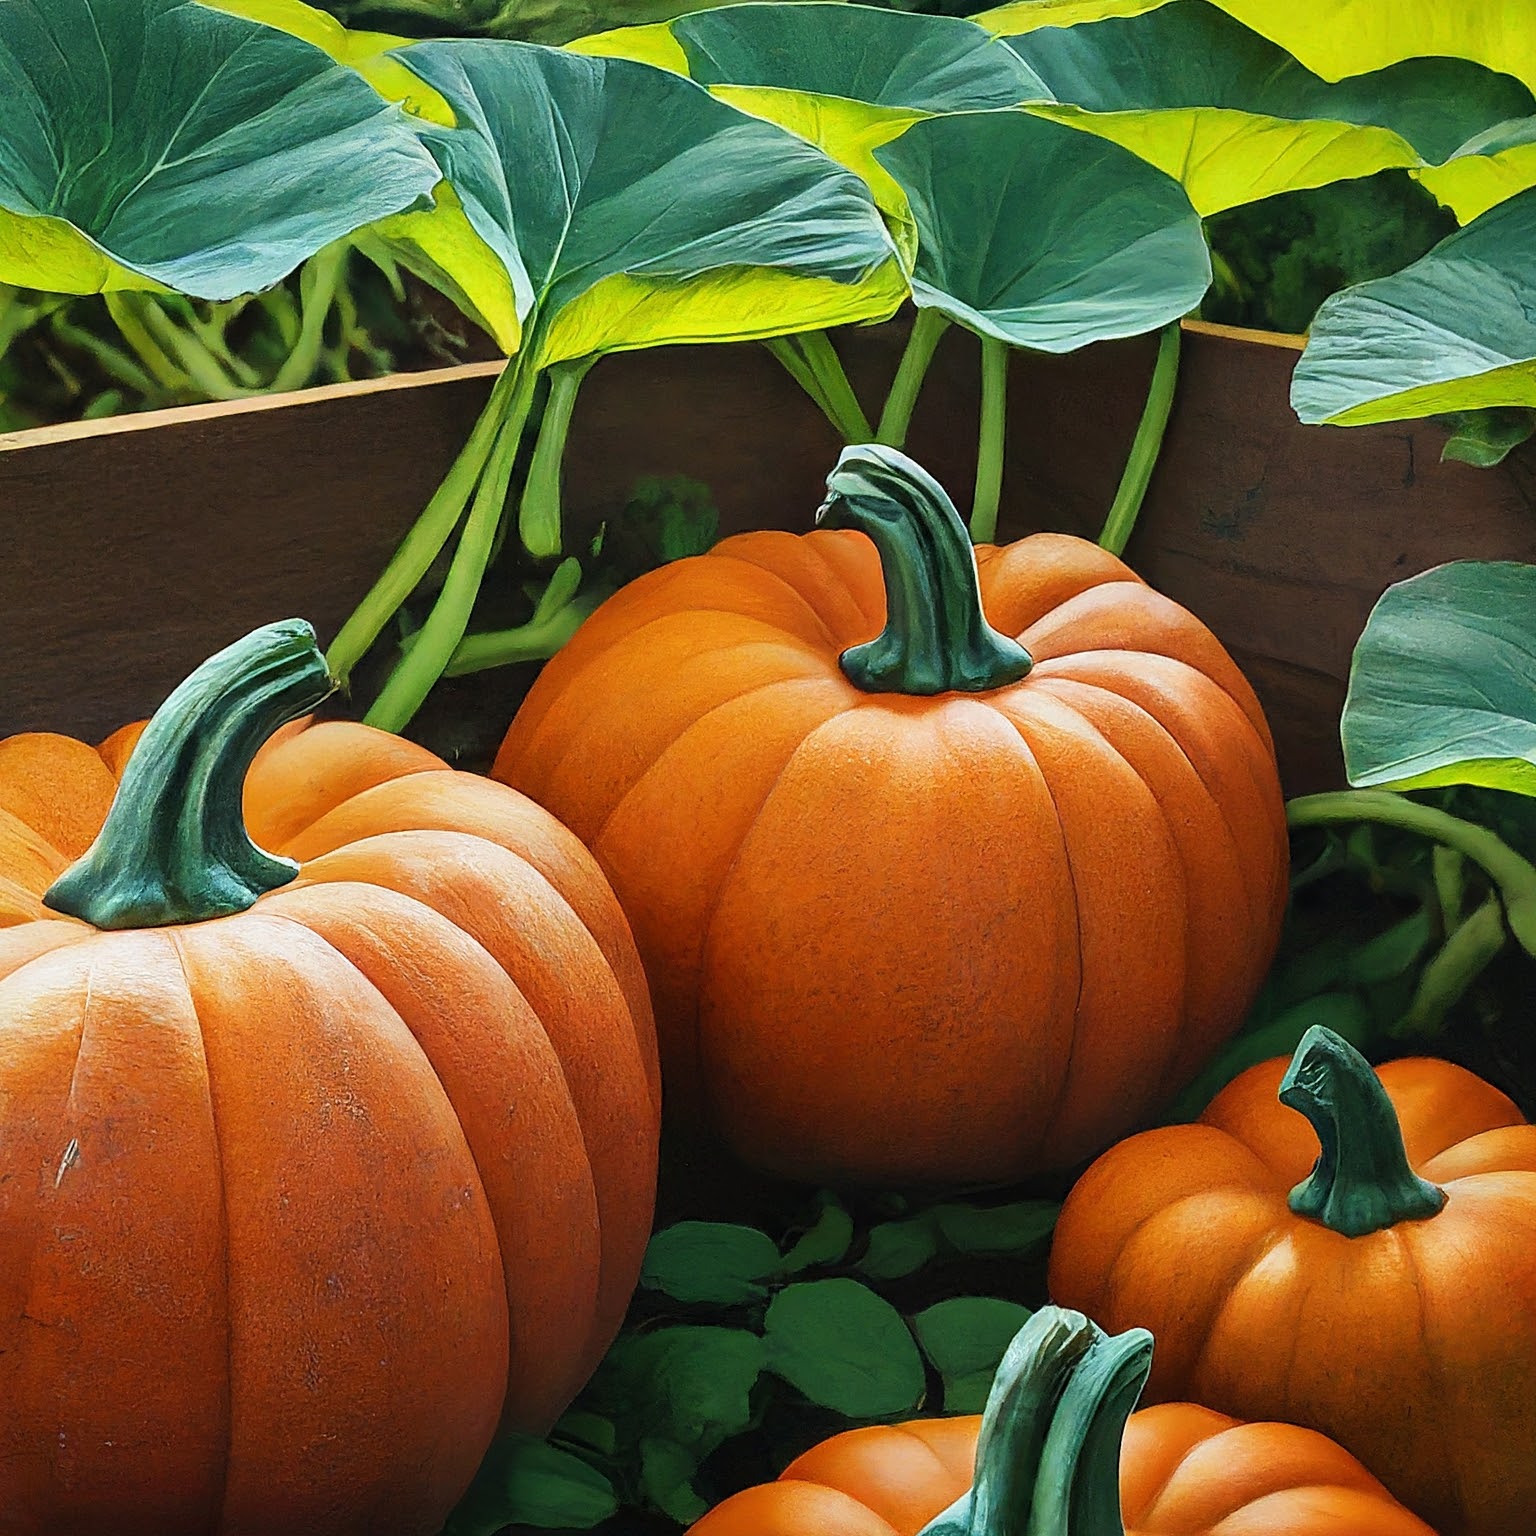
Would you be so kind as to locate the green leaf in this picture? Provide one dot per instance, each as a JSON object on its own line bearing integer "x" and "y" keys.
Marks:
{"x": 1235, "y": 118}
{"x": 847, "y": 77}
{"x": 825, "y": 1242}
{"x": 898, "y": 1248}
{"x": 1486, "y": 438}
{"x": 997, "y": 1229}
{"x": 1443, "y": 685}
{"x": 844, "y": 1348}
{"x": 685, "y": 1383}
{"x": 666, "y": 1478}
{"x": 160, "y": 144}
{"x": 1044, "y": 237}
{"x": 616, "y": 206}
{"x": 965, "y": 1338}
{"x": 529, "y": 1482}
{"x": 1455, "y": 331}
{"x": 710, "y": 1261}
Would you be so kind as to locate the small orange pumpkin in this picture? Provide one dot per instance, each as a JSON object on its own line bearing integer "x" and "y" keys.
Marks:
{"x": 312, "y": 1166}
{"x": 1043, "y": 1461}
{"x": 1388, "y": 1299}
{"x": 936, "y": 906}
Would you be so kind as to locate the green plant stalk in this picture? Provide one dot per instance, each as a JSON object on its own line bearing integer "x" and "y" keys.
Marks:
{"x": 125, "y": 316}
{"x": 790, "y": 359}
{"x": 927, "y": 331}
{"x": 196, "y": 362}
{"x": 438, "y": 639}
{"x": 322, "y": 277}
{"x": 827, "y": 369}
{"x": 1514, "y": 876}
{"x": 1464, "y": 956}
{"x": 539, "y": 517}
{"x": 213, "y": 332}
{"x": 992, "y": 441}
{"x": 559, "y": 614}
{"x": 431, "y": 531}
{"x": 1146, "y": 445}
{"x": 114, "y": 362}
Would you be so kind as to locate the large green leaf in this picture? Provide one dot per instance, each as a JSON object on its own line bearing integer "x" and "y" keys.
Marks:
{"x": 1043, "y": 237}
{"x": 617, "y": 206}
{"x": 1443, "y": 685}
{"x": 1236, "y": 119}
{"x": 156, "y": 143}
{"x": 1351, "y": 37}
{"x": 1455, "y": 331}
{"x": 847, "y": 77}
{"x": 1488, "y": 168}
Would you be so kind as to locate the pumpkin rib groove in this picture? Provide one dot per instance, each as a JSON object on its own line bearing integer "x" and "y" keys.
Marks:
{"x": 707, "y": 927}
{"x": 218, "y": 1158}
{"x": 1063, "y": 1086}
{"x": 1212, "y": 795}
{"x": 572, "y": 1347}
{"x": 1434, "y": 1367}
{"x": 689, "y": 726}
{"x": 790, "y": 587}
{"x": 1226, "y": 1294}
{"x": 819, "y": 548}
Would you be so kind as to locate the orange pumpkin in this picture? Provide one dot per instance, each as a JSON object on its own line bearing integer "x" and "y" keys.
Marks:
{"x": 1043, "y": 1461}
{"x": 937, "y": 906}
{"x": 1387, "y": 1300}
{"x": 310, "y": 1171}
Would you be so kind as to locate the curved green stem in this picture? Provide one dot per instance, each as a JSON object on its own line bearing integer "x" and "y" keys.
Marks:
{"x": 1514, "y": 876}
{"x": 438, "y": 639}
{"x": 317, "y": 288}
{"x": 1362, "y": 1181}
{"x": 936, "y": 637}
{"x": 431, "y": 532}
{"x": 560, "y": 612}
{"x": 1467, "y": 952}
{"x": 798, "y": 369}
{"x": 992, "y": 442}
{"x": 539, "y": 517}
{"x": 1146, "y": 446}
{"x": 827, "y": 369}
{"x": 198, "y": 366}
{"x": 1048, "y": 1452}
{"x": 174, "y": 848}
{"x": 927, "y": 331}
{"x": 123, "y": 308}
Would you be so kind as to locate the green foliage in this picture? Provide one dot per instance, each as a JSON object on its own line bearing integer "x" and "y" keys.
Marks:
{"x": 1277, "y": 260}
{"x": 747, "y": 1345}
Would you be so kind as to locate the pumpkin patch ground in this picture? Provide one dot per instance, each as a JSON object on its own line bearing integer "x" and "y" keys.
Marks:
{"x": 886, "y": 991}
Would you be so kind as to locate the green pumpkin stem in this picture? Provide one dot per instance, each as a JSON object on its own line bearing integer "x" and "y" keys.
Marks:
{"x": 1048, "y": 1455}
{"x": 1362, "y": 1181}
{"x": 936, "y": 638}
{"x": 174, "y": 848}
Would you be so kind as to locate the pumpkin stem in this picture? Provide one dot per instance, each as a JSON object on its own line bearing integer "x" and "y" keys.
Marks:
{"x": 174, "y": 848}
{"x": 1362, "y": 1181}
{"x": 936, "y": 638}
{"x": 1048, "y": 1455}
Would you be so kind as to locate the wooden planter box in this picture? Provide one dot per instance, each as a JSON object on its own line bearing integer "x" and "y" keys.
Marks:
{"x": 136, "y": 546}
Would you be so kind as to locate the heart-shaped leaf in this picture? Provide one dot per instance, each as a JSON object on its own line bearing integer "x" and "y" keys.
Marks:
{"x": 524, "y": 1481}
{"x": 156, "y": 143}
{"x": 617, "y": 206}
{"x": 1235, "y": 118}
{"x": 966, "y": 1338}
{"x": 1454, "y": 331}
{"x": 847, "y": 77}
{"x": 844, "y": 1348}
{"x": 1043, "y": 237}
{"x": 710, "y": 1261}
{"x": 1443, "y": 685}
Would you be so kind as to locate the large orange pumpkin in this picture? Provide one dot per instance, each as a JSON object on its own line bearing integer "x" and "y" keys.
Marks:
{"x": 1388, "y": 1299}
{"x": 297, "y": 1201}
{"x": 1043, "y": 1461}
{"x": 940, "y": 905}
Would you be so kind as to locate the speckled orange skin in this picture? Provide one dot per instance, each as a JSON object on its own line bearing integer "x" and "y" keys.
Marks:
{"x": 1184, "y": 1471}
{"x": 279, "y": 1192}
{"x": 1414, "y": 1346}
{"x": 917, "y": 940}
